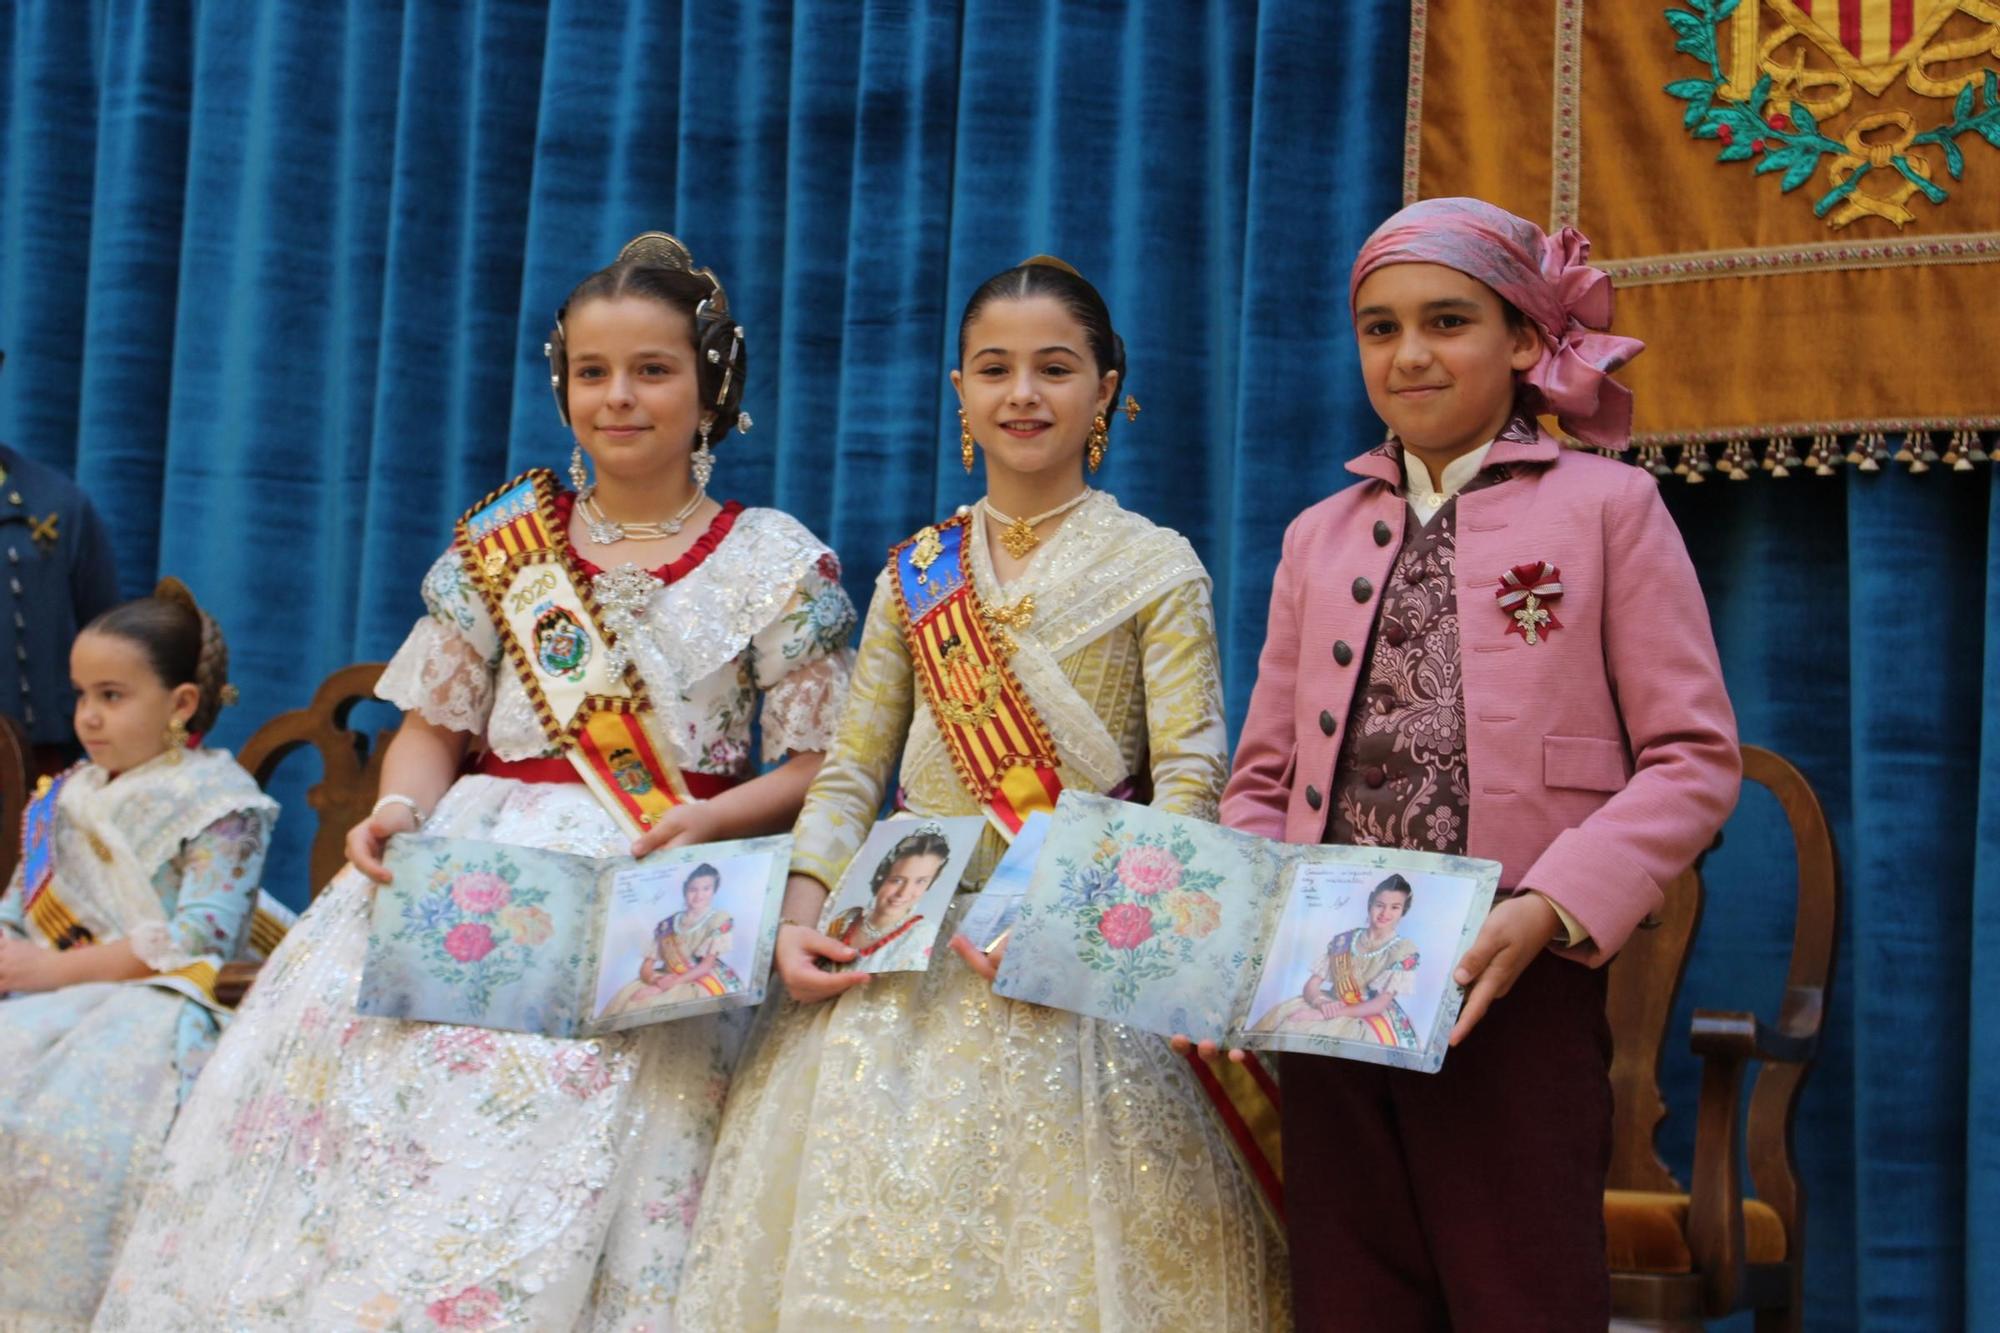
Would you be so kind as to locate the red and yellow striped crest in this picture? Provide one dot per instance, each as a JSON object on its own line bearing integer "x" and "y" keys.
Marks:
{"x": 999, "y": 745}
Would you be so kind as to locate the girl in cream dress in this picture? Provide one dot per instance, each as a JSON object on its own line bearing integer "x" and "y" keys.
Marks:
{"x": 908, "y": 1149}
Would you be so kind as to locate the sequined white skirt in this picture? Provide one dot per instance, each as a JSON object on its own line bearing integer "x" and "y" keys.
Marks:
{"x": 332, "y": 1171}
{"x": 923, "y": 1154}
{"x": 93, "y": 1075}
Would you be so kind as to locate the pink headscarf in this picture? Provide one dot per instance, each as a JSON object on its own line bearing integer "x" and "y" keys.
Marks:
{"x": 1546, "y": 279}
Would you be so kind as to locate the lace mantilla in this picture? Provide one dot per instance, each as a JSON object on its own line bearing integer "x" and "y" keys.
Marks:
{"x": 699, "y": 624}
{"x": 160, "y": 805}
{"x": 1107, "y": 560}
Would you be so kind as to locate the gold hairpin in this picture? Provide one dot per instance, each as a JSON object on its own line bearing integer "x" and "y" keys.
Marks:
{"x": 658, "y": 249}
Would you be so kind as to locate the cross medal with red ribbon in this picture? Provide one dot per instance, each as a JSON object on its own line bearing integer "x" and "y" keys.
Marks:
{"x": 1528, "y": 594}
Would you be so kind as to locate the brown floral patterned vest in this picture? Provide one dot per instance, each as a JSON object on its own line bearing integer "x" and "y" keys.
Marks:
{"x": 1401, "y": 780}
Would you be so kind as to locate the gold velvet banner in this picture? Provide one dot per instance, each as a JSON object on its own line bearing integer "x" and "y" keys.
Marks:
{"x": 1799, "y": 200}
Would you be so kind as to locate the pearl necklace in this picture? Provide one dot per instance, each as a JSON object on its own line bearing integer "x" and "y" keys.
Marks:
{"x": 1018, "y": 534}
{"x": 1370, "y": 955}
{"x": 607, "y": 532}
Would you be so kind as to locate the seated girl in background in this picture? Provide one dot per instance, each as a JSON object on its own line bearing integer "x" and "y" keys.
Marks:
{"x": 138, "y": 881}
{"x": 343, "y": 1172}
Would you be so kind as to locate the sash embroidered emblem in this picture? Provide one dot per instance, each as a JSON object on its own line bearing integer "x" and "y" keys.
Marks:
{"x": 591, "y": 704}
{"x": 1000, "y": 748}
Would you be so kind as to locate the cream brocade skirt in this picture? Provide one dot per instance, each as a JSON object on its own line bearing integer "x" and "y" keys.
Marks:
{"x": 921, "y": 1153}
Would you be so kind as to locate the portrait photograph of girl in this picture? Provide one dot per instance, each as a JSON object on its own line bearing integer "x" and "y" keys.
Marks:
{"x": 890, "y": 916}
{"x": 1362, "y": 955}
{"x": 687, "y": 934}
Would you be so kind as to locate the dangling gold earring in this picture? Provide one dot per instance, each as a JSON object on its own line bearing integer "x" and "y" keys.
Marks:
{"x": 964, "y": 440}
{"x": 177, "y": 739}
{"x": 578, "y": 478}
{"x": 1100, "y": 437}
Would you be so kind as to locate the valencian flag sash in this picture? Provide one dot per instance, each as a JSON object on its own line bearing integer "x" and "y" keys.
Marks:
{"x": 999, "y": 745}
{"x": 1003, "y": 754}
{"x": 679, "y": 964}
{"x": 591, "y": 705}
{"x": 45, "y": 908}
{"x": 1349, "y": 992}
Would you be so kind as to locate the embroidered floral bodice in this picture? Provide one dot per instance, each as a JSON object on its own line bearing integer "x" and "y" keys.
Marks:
{"x": 761, "y": 611}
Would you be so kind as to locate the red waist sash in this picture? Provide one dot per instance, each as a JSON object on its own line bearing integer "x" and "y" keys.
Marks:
{"x": 556, "y": 768}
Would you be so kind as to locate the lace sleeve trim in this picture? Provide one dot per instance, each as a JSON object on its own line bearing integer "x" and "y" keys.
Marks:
{"x": 440, "y": 675}
{"x": 154, "y": 944}
{"x": 802, "y": 711}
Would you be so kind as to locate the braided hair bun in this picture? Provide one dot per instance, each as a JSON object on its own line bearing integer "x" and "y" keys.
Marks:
{"x": 181, "y": 641}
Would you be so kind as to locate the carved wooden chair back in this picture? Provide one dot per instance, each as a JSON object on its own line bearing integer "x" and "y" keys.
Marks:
{"x": 351, "y": 764}
{"x": 1727, "y": 1263}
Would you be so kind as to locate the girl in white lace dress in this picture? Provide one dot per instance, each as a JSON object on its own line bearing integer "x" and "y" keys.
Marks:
{"x": 335, "y": 1171}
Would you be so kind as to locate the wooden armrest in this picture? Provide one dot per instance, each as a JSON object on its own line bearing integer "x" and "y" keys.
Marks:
{"x": 1742, "y": 1037}
{"x": 232, "y": 983}
{"x": 1715, "y": 1196}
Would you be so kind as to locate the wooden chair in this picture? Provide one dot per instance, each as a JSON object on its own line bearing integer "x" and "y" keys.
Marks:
{"x": 1679, "y": 1257}
{"x": 17, "y": 760}
{"x": 351, "y": 770}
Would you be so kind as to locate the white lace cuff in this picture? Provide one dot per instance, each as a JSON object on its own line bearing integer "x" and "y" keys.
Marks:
{"x": 438, "y": 674}
{"x": 153, "y": 943}
{"x": 802, "y": 711}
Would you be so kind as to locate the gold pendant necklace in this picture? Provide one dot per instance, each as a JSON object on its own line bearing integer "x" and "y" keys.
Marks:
{"x": 1018, "y": 534}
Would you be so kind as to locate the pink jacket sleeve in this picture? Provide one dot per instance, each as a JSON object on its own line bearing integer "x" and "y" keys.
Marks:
{"x": 1260, "y": 784}
{"x": 1659, "y": 654}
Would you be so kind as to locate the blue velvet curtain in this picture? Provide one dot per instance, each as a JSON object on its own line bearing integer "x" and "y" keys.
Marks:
{"x": 274, "y": 280}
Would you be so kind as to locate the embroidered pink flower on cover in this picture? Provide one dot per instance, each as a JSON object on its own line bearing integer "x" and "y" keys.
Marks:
{"x": 480, "y": 892}
{"x": 1126, "y": 926}
{"x": 468, "y": 942}
{"x": 1149, "y": 870}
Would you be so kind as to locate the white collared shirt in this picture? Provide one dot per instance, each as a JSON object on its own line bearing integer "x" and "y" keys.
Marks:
{"x": 1426, "y": 499}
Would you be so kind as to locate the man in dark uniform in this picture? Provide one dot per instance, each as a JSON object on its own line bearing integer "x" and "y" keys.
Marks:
{"x": 60, "y": 574}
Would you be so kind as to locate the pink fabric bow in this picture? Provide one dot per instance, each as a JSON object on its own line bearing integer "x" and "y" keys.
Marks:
{"x": 1548, "y": 279}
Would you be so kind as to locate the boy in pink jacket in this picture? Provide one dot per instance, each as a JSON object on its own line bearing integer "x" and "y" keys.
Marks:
{"x": 1490, "y": 646}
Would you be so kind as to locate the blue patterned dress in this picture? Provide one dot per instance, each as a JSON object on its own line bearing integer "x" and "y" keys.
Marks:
{"x": 168, "y": 857}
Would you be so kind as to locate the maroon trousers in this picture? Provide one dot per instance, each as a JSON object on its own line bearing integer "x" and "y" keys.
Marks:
{"x": 1469, "y": 1199}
